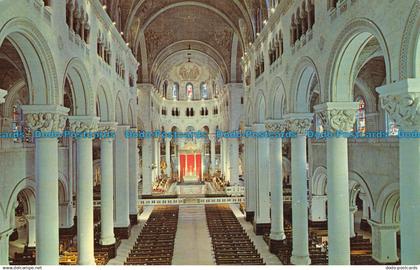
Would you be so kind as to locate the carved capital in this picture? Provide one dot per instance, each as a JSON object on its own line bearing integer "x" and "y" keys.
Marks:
{"x": 299, "y": 122}
{"x": 337, "y": 116}
{"x": 401, "y": 100}
{"x": 83, "y": 123}
{"x": 45, "y": 118}
{"x": 276, "y": 125}
{"x": 403, "y": 109}
{"x": 107, "y": 126}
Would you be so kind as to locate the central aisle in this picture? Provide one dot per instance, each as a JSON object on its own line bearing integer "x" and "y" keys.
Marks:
{"x": 192, "y": 240}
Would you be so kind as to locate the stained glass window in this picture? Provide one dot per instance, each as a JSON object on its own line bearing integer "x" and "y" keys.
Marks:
{"x": 361, "y": 115}
{"x": 175, "y": 91}
{"x": 189, "y": 88}
{"x": 203, "y": 90}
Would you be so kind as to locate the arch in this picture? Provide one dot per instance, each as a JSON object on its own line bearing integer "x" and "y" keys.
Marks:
{"x": 28, "y": 184}
{"x": 306, "y": 78}
{"x": 64, "y": 193}
{"x": 342, "y": 64}
{"x": 260, "y": 109}
{"x": 249, "y": 114}
{"x": 387, "y": 206}
{"x": 132, "y": 113}
{"x": 121, "y": 109}
{"x": 279, "y": 99}
{"x": 410, "y": 49}
{"x": 83, "y": 93}
{"x": 358, "y": 184}
{"x": 104, "y": 99}
{"x": 319, "y": 181}
{"x": 40, "y": 70}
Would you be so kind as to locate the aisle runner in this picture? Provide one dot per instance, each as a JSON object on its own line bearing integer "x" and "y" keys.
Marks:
{"x": 192, "y": 241}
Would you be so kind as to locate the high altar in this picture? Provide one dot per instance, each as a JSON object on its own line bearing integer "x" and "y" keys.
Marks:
{"x": 190, "y": 164}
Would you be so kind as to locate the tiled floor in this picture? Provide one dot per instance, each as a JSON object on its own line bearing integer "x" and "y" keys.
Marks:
{"x": 192, "y": 240}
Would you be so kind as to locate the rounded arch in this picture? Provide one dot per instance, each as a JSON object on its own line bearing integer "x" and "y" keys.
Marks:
{"x": 388, "y": 204}
{"x": 319, "y": 181}
{"x": 249, "y": 114}
{"x": 358, "y": 184}
{"x": 410, "y": 50}
{"x": 104, "y": 101}
{"x": 77, "y": 74}
{"x": 40, "y": 70}
{"x": 306, "y": 77}
{"x": 342, "y": 64}
{"x": 260, "y": 108}
{"x": 63, "y": 189}
{"x": 29, "y": 185}
{"x": 132, "y": 113}
{"x": 279, "y": 99}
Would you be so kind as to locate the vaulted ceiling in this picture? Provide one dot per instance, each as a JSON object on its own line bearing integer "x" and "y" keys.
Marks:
{"x": 156, "y": 29}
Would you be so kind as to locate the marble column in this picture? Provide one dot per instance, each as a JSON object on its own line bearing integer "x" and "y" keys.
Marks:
{"x": 121, "y": 180}
{"x": 338, "y": 118}
{"x": 384, "y": 242}
{"x": 168, "y": 156}
{"x": 4, "y": 246}
{"x": 85, "y": 226}
{"x": 299, "y": 123}
{"x": 107, "y": 186}
{"x": 352, "y": 210}
{"x": 318, "y": 211}
{"x": 147, "y": 157}
{"x": 234, "y": 161}
{"x": 46, "y": 118}
{"x": 276, "y": 179}
{"x": 262, "y": 213}
{"x": 250, "y": 177}
{"x": 31, "y": 227}
{"x": 133, "y": 163}
{"x": 401, "y": 102}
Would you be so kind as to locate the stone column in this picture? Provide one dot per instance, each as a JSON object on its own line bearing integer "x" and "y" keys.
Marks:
{"x": 234, "y": 161}
{"x": 4, "y": 246}
{"x": 384, "y": 242}
{"x": 107, "y": 185}
{"x": 250, "y": 178}
{"x": 84, "y": 126}
{"x": 338, "y": 118}
{"x": 401, "y": 101}
{"x": 133, "y": 163}
{"x": 318, "y": 208}
{"x": 262, "y": 213}
{"x": 212, "y": 138}
{"x": 352, "y": 210}
{"x": 299, "y": 123}
{"x": 121, "y": 180}
{"x": 276, "y": 179}
{"x": 168, "y": 156}
{"x": 156, "y": 156}
{"x": 46, "y": 118}
{"x": 31, "y": 227}
{"x": 147, "y": 155}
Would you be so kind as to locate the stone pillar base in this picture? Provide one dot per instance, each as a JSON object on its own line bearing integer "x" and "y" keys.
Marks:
{"x": 276, "y": 245}
{"x": 110, "y": 249}
{"x": 249, "y": 216}
{"x": 262, "y": 228}
{"x": 122, "y": 233}
{"x": 133, "y": 220}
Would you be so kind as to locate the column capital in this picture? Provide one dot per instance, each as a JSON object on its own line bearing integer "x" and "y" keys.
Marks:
{"x": 84, "y": 123}
{"x": 45, "y": 118}
{"x": 3, "y": 93}
{"x": 107, "y": 126}
{"x": 276, "y": 125}
{"x": 6, "y": 234}
{"x": 299, "y": 122}
{"x": 401, "y": 100}
{"x": 384, "y": 226}
{"x": 337, "y": 116}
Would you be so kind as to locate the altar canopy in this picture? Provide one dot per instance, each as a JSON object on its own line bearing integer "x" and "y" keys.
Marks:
{"x": 190, "y": 166}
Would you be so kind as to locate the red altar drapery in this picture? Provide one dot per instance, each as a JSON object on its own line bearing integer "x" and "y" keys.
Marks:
{"x": 190, "y": 164}
{"x": 198, "y": 165}
{"x": 182, "y": 165}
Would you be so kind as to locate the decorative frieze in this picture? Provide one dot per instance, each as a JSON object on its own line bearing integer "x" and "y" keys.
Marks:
{"x": 45, "y": 118}
{"x": 299, "y": 122}
{"x": 276, "y": 125}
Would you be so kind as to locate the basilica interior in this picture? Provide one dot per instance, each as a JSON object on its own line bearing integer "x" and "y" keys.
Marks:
{"x": 177, "y": 84}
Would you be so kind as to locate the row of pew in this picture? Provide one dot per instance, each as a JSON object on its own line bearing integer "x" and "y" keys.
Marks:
{"x": 155, "y": 244}
{"x": 231, "y": 244}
